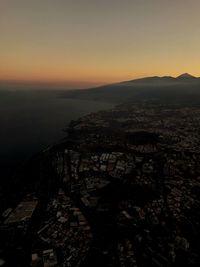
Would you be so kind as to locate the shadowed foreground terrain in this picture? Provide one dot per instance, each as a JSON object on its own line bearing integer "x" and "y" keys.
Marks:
{"x": 121, "y": 190}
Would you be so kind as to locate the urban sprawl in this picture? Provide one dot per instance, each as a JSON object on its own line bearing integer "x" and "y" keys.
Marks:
{"x": 126, "y": 186}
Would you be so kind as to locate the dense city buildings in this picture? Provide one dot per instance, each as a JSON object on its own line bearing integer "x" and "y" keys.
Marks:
{"x": 121, "y": 190}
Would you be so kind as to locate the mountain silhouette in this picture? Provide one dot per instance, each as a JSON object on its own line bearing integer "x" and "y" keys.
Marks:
{"x": 186, "y": 76}
{"x": 184, "y": 88}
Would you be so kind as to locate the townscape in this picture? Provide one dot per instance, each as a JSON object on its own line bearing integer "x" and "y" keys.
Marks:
{"x": 126, "y": 185}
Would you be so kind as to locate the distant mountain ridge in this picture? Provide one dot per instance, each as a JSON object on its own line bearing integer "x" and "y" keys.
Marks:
{"x": 182, "y": 89}
{"x": 182, "y": 77}
{"x": 186, "y": 75}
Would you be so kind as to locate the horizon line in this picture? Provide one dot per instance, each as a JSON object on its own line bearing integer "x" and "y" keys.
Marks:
{"x": 85, "y": 82}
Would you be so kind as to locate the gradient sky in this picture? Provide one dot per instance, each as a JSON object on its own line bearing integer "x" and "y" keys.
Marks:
{"x": 98, "y": 41}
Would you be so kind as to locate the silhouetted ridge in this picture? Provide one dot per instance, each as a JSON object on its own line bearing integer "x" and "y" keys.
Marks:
{"x": 184, "y": 88}
{"x": 186, "y": 75}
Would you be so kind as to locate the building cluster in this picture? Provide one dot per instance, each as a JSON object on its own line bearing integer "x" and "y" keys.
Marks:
{"x": 15, "y": 229}
{"x": 93, "y": 169}
{"x": 45, "y": 258}
{"x": 21, "y": 214}
{"x": 126, "y": 253}
{"x": 156, "y": 152}
{"x": 130, "y": 185}
{"x": 176, "y": 127}
{"x": 115, "y": 164}
{"x": 65, "y": 229}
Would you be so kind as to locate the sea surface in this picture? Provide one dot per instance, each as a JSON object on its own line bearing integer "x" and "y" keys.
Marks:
{"x": 32, "y": 120}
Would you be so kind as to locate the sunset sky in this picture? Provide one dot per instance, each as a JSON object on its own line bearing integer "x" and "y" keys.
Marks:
{"x": 98, "y": 41}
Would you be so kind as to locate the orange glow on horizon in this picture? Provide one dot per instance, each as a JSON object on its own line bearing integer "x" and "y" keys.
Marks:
{"x": 84, "y": 79}
{"x": 99, "y": 43}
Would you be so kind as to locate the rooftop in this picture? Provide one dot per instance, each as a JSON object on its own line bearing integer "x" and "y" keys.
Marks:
{"x": 22, "y": 212}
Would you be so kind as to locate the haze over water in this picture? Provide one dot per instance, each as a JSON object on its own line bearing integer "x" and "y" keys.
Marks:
{"x": 30, "y": 121}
